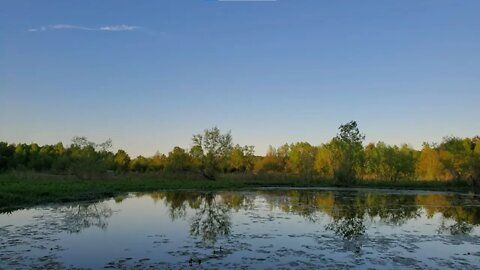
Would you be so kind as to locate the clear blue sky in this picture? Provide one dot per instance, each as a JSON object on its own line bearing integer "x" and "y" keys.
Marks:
{"x": 149, "y": 74}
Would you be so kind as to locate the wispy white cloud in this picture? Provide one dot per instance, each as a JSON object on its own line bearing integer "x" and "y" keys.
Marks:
{"x": 111, "y": 28}
{"x": 122, "y": 27}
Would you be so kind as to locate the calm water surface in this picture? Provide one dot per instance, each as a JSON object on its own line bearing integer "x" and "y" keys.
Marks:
{"x": 262, "y": 229}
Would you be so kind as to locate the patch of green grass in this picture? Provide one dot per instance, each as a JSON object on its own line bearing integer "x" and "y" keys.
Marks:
{"x": 19, "y": 190}
{"x": 460, "y": 186}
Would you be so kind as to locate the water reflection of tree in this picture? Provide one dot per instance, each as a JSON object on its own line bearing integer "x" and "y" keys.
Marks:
{"x": 178, "y": 202}
{"x": 211, "y": 218}
{"x": 458, "y": 228}
{"x": 302, "y": 203}
{"x": 462, "y": 209}
{"x": 346, "y": 211}
{"x": 392, "y": 209}
{"x": 83, "y": 216}
{"x": 347, "y": 216}
{"x": 351, "y": 210}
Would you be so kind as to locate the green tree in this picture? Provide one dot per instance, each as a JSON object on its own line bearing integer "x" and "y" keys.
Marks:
{"x": 196, "y": 152}
{"x": 269, "y": 163}
{"x": 61, "y": 160}
{"x": 178, "y": 160}
{"x": 121, "y": 161}
{"x": 158, "y": 161}
{"x": 325, "y": 161}
{"x": 89, "y": 159}
{"x": 21, "y": 156}
{"x": 37, "y": 159}
{"x": 387, "y": 162}
{"x": 140, "y": 164}
{"x": 302, "y": 159}
{"x": 476, "y": 162}
{"x": 349, "y": 143}
{"x": 406, "y": 162}
{"x": 429, "y": 165}
{"x": 249, "y": 157}
{"x": 276, "y": 160}
{"x": 372, "y": 159}
{"x": 236, "y": 159}
{"x": 242, "y": 158}
{"x": 456, "y": 156}
{"x": 215, "y": 150}
{"x": 7, "y": 152}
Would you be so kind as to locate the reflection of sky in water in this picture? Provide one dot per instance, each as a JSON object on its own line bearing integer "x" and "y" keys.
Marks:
{"x": 127, "y": 234}
{"x": 19, "y": 217}
{"x": 268, "y": 228}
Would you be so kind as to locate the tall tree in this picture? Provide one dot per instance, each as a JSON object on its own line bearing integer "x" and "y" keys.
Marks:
{"x": 242, "y": 158}
{"x": 349, "y": 143}
{"x": 302, "y": 159}
{"x": 89, "y": 159}
{"x": 326, "y": 161}
{"x": 7, "y": 152}
{"x": 215, "y": 149}
{"x": 178, "y": 160}
{"x": 456, "y": 156}
{"x": 121, "y": 160}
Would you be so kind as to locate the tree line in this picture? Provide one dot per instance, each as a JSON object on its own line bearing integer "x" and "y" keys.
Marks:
{"x": 344, "y": 158}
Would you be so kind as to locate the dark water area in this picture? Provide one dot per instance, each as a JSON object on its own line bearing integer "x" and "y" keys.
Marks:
{"x": 260, "y": 229}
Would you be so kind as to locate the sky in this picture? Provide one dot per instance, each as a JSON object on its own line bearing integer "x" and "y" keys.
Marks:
{"x": 150, "y": 74}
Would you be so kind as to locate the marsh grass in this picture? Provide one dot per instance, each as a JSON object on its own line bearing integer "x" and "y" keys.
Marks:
{"x": 24, "y": 189}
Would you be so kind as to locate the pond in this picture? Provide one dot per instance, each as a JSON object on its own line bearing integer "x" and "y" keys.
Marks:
{"x": 259, "y": 229}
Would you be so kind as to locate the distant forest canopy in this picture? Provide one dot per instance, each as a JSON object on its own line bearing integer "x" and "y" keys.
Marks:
{"x": 344, "y": 158}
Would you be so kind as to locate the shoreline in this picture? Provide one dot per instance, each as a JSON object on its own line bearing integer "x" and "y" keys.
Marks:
{"x": 29, "y": 190}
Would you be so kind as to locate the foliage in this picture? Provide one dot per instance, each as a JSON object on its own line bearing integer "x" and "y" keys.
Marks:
{"x": 456, "y": 156}
{"x": 139, "y": 164}
{"x": 343, "y": 159}
{"x": 178, "y": 160}
{"x": 302, "y": 159}
{"x": 348, "y": 143}
{"x": 121, "y": 160}
{"x": 389, "y": 162}
{"x": 326, "y": 160}
{"x": 276, "y": 160}
{"x": 429, "y": 166}
{"x": 88, "y": 159}
{"x": 242, "y": 159}
{"x": 214, "y": 149}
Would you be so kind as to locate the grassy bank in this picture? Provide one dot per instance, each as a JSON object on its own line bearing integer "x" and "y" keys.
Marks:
{"x": 19, "y": 190}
